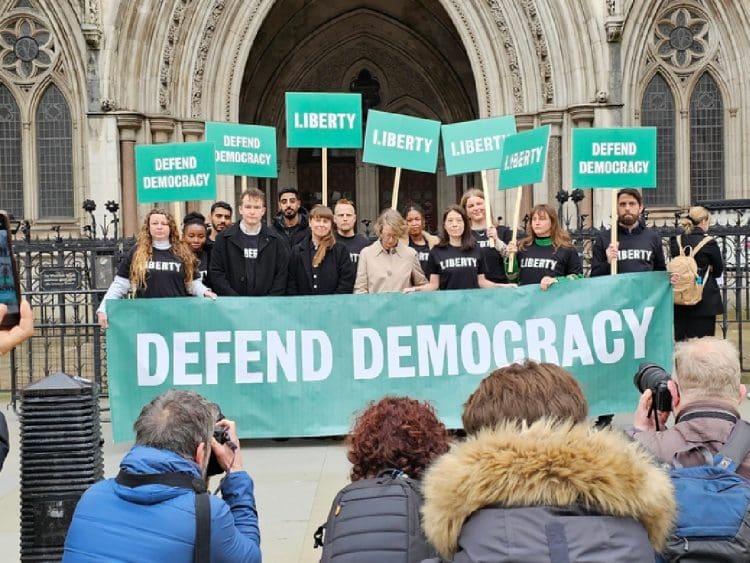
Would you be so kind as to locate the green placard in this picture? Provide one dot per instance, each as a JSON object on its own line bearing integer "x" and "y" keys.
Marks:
{"x": 288, "y": 370}
{"x": 175, "y": 172}
{"x": 243, "y": 150}
{"x": 476, "y": 145}
{"x": 323, "y": 120}
{"x": 623, "y": 157}
{"x": 524, "y": 158}
{"x": 401, "y": 141}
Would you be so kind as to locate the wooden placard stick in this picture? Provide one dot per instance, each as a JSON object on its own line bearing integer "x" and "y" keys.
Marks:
{"x": 516, "y": 214}
{"x": 613, "y": 238}
{"x": 396, "y": 182}
{"x": 324, "y": 174}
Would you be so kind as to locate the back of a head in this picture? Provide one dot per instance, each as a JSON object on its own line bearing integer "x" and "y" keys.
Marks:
{"x": 396, "y": 432}
{"x": 707, "y": 368}
{"x": 177, "y": 421}
{"x": 524, "y": 392}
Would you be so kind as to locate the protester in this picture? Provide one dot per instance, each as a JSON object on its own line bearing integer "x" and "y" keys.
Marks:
{"x": 291, "y": 220}
{"x": 456, "y": 262}
{"x": 638, "y": 248}
{"x": 345, "y": 217}
{"x": 159, "y": 265}
{"x": 9, "y": 339}
{"x": 195, "y": 234}
{"x": 319, "y": 265}
{"x": 534, "y": 483}
{"x": 250, "y": 258}
{"x": 419, "y": 239}
{"x": 492, "y": 240}
{"x": 388, "y": 265}
{"x": 221, "y": 218}
{"x": 691, "y": 321}
{"x": 547, "y": 255}
{"x": 376, "y": 518}
{"x": 706, "y": 391}
{"x": 137, "y": 516}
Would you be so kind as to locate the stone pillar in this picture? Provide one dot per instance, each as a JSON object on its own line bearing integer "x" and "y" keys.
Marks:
{"x": 161, "y": 132}
{"x": 584, "y": 117}
{"x": 128, "y": 126}
{"x": 546, "y": 193}
{"x": 366, "y": 193}
{"x": 192, "y": 132}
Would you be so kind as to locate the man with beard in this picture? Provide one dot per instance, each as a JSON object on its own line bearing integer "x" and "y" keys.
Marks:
{"x": 221, "y": 218}
{"x": 638, "y": 249}
{"x": 291, "y": 220}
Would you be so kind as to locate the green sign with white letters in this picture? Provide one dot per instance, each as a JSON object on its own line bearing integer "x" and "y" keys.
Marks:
{"x": 317, "y": 120}
{"x": 401, "y": 141}
{"x": 524, "y": 158}
{"x": 475, "y": 145}
{"x": 243, "y": 150}
{"x": 175, "y": 172}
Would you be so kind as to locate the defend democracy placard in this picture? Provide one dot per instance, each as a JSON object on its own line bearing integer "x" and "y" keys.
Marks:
{"x": 243, "y": 150}
{"x": 475, "y": 145}
{"x": 317, "y": 120}
{"x": 401, "y": 141}
{"x": 623, "y": 157}
{"x": 300, "y": 366}
{"x": 524, "y": 158}
{"x": 175, "y": 172}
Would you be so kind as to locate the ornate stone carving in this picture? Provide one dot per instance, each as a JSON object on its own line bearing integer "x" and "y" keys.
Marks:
{"x": 249, "y": 18}
{"x": 167, "y": 54}
{"x": 28, "y": 49}
{"x": 681, "y": 38}
{"x": 200, "y": 61}
{"x": 511, "y": 54}
{"x": 542, "y": 50}
{"x": 92, "y": 23}
{"x": 611, "y": 7}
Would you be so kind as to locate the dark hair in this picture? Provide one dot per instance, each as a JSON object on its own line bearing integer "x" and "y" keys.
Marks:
{"x": 631, "y": 192}
{"x": 467, "y": 239}
{"x": 223, "y": 205}
{"x": 396, "y": 432}
{"x": 528, "y": 392}
{"x": 193, "y": 218}
{"x": 414, "y": 207}
{"x": 253, "y": 193}
{"x": 288, "y": 190}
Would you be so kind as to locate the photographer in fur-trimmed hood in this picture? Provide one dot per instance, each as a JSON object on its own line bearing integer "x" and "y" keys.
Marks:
{"x": 534, "y": 483}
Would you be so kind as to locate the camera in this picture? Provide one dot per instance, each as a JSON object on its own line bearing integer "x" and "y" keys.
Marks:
{"x": 221, "y": 435}
{"x": 654, "y": 377}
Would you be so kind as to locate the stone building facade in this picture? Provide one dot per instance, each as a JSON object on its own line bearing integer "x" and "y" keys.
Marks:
{"x": 83, "y": 81}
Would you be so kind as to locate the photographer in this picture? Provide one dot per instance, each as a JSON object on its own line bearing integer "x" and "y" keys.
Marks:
{"x": 152, "y": 510}
{"x": 705, "y": 391}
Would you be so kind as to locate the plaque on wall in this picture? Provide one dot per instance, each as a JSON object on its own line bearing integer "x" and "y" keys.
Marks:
{"x": 59, "y": 279}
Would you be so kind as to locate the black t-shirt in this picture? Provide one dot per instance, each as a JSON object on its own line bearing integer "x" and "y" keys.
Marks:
{"x": 495, "y": 267}
{"x": 164, "y": 274}
{"x": 203, "y": 260}
{"x": 423, "y": 253}
{"x": 539, "y": 260}
{"x": 458, "y": 269}
{"x": 354, "y": 245}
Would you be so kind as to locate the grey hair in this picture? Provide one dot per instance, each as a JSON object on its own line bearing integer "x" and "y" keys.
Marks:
{"x": 707, "y": 368}
{"x": 176, "y": 421}
{"x": 394, "y": 220}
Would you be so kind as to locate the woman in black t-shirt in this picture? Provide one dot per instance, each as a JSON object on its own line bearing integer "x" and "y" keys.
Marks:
{"x": 419, "y": 239}
{"x": 491, "y": 239}
{"x": 195, "y": 234}
{"x": 456, "y": 262}
{"x": 547, "y": 255}
{"x": 159, "y": 265}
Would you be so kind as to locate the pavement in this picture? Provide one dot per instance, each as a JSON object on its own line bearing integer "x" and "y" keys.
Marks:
{"x": 295, "y": 482}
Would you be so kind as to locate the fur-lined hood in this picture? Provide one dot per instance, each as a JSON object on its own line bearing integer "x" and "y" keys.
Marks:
{"x": 546, "y": 464}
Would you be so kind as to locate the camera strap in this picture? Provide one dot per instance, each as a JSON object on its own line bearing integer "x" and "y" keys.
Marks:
{"x": 202, "y": 548}
{"x": 708, "y": 414}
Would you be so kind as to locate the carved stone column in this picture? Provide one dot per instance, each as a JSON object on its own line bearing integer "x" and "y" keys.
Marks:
{"x": 554, "y": 157}
{"x": 128, "y": 126}
{"x": 192, "y": 132}
{"x": 523, "y": 123}
{"x": 161, "y": 132}
{"x": 584, "y": 117}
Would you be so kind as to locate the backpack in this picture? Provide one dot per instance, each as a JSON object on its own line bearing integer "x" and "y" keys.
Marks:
{"x": 713, "y": 514}
{"x": 689, "y": 290}
{"x": 375, "y": 520}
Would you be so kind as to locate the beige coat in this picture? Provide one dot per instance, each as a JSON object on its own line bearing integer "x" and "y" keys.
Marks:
{"x": 379, "y": 271}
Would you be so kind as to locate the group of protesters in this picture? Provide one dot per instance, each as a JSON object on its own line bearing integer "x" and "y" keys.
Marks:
{"x": 319, "y": 252}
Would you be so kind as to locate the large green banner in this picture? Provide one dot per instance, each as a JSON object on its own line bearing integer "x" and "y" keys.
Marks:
{"x": 301, "y": 366}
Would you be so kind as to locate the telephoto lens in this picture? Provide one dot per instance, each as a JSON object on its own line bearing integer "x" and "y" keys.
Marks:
{"x": 654, "y": 377}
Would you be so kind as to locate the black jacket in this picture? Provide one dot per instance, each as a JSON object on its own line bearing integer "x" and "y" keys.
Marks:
{"x": 4, "y": 442}
{"x": 640, "y": 251}
{"x": 709, "y": 255}
{"x": 293, "y": 235}
{"x": 230, "y": 273}
{"x": 335, "y": 274}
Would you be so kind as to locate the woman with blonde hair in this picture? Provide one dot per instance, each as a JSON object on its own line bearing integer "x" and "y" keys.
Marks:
{"x": 492, "y": 240}
{"x": 388, "y": 265}
{"x": 318, "y": 265}
{"x": 693, "y": 321}
{"x": 159, "y": 265}
{"x": 546, "y": 255}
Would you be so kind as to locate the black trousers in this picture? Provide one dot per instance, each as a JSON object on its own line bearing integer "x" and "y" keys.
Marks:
{"x": 687, "y": 326}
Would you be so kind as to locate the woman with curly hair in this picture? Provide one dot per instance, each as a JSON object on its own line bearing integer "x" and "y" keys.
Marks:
{"x": 159, "y": 265}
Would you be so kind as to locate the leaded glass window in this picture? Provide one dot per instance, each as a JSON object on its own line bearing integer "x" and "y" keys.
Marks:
{"x": 706, "y": 141}
{"x": 658, "y": 111}
{"x": 54, "y": 145}
{"x": 11, "y": 167}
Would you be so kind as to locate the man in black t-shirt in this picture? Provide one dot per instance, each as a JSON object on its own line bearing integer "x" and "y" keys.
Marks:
{"x": 345, "y": 217}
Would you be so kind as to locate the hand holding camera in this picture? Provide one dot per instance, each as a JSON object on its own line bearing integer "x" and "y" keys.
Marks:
{"x": 655, "y": 404}
{"x": 225, "y": 452}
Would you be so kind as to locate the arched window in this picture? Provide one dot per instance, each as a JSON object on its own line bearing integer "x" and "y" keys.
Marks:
{"x": 11, "y": 165}
{"x": 658, "y": 111}
{"x": 706, "y": 141}
{"x": 54, "y": 149}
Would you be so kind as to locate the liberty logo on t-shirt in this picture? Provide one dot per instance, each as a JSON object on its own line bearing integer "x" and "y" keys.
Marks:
{"x": 461, "y": 262}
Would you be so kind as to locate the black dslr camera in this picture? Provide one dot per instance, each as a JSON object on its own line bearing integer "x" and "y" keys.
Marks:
{"x": 651, "y": 376}
{"x": 221, "y": 435}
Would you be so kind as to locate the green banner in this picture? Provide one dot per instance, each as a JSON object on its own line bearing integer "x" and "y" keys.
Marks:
{"x": 524, "y": 158}
{"x": 614, "y": 158}
{"x": 401, "y": 141}
{"x": 175, "y": 172}
{"x": 476, "y": 145}
{"x": 300, "y": 366}
{"x": 243, "y": 150}
{"x": 316, "y": 120}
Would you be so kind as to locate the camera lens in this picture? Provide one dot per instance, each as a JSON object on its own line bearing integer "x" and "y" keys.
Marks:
{"x": 649, "y": 376}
